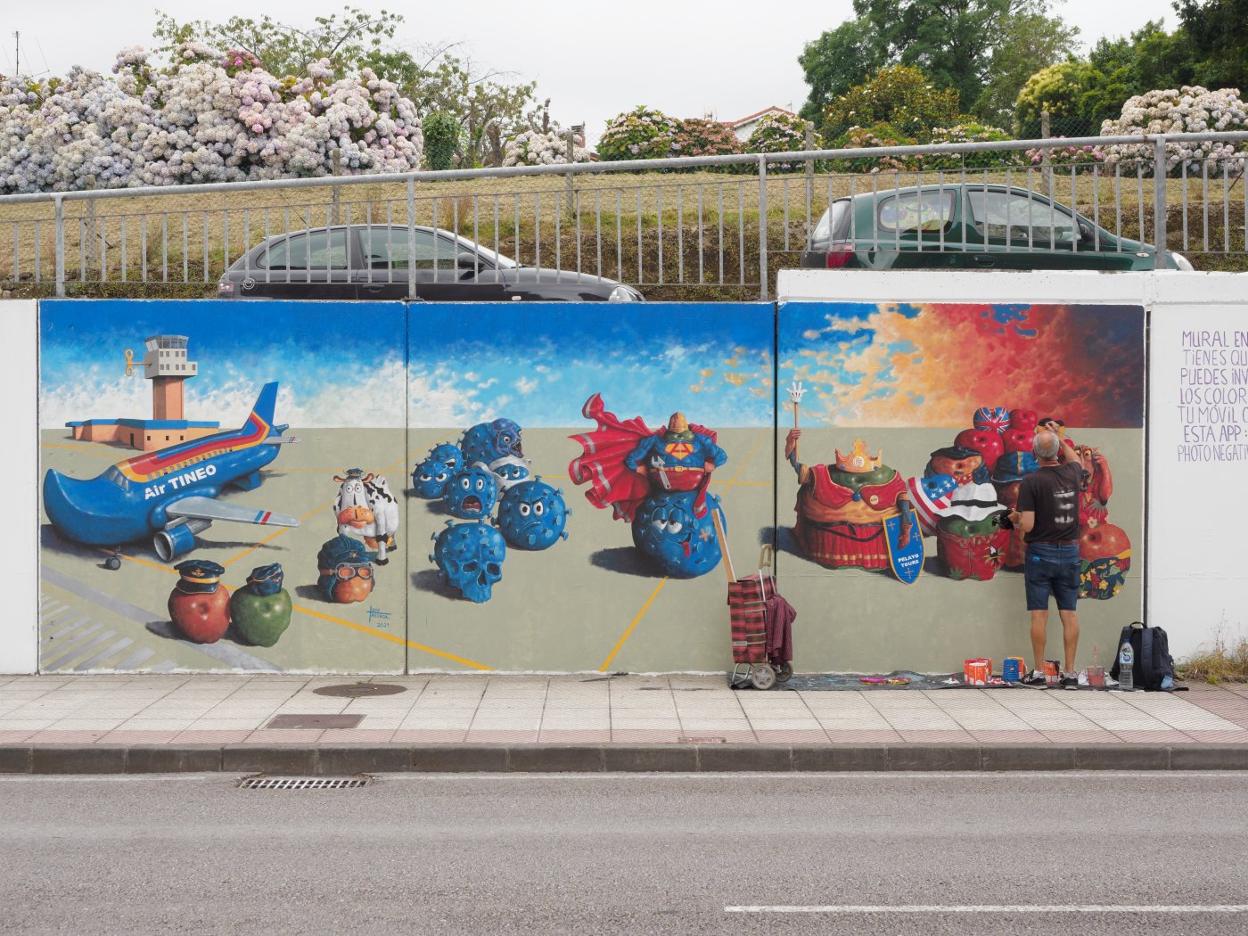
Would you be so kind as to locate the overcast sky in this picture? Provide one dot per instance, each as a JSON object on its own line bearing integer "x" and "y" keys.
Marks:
{"x": 686, "y": 57}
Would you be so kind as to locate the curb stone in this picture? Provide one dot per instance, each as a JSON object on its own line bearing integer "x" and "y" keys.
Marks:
{"x": 614, "y": 758}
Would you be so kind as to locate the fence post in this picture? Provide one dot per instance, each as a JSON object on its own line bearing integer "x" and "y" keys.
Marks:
{"x": 92, "y": 248}
{"x": 810, "y": 177}
{"x": 59, "y": 209}
{"x": 568, "y": 186}
{"x": 1046, "y": 164}
{"x": 762, "y": 227}
{"x": 335, "y": 204}
{"x": 411, "y": 238}
{"x": 1159, "y": 200}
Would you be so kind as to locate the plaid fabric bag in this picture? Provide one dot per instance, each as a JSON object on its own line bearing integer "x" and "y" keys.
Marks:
{"x": 747, "y": 614}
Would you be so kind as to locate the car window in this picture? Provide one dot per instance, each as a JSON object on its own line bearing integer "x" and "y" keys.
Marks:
{"x": 1020, "y": 219}
{"x": 389, "y": 248}
{"x": 914, "y": 211}
{"x": 316, "y": 250}
{"x": 833, "y": 223}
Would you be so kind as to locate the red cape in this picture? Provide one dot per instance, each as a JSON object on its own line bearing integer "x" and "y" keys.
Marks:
{"x": 601, "y": 462}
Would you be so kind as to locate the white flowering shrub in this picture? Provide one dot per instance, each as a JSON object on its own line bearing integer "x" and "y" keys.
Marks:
{"x": 641, "y": 133}
{"x": 535, "y": 148}
{"x": 1187, "y": 110}
{"x": 207, "y": 117}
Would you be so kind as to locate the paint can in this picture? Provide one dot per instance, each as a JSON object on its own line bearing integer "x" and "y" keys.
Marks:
{"x": 1096, "y": 677}
{"x": 977, "y": 671}
{"x": 1013, "y": 669}
{"x": 1052, "y": 672}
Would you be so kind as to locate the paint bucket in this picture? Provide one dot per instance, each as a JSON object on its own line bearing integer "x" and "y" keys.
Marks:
{"x": 1052, "y": 672}
{"x": 977, "y": 671}
{"x": 1013, "y": 669}
{"x": 1096, "y": 677}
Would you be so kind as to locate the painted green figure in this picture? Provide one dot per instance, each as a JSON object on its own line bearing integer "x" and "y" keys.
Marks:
{"x": 260, "y": 610}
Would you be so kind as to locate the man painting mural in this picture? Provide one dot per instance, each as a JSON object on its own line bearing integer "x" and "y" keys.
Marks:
{"x": 1048, "y": 515}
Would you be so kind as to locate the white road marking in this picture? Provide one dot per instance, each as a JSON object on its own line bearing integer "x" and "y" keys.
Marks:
{"x": 995, "y": 908}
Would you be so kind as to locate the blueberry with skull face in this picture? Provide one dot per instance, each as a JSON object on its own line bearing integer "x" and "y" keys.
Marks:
{"x": 487, "y": 442}
{"x": 679, "y": 543}
{"x": 472, "y": 493}
{"x": 470, "y": 557}
{"x": 532, "y": 515}
{"x": 429, "y": 479}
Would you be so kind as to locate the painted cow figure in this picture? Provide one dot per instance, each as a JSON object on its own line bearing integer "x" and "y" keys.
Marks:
{"x": 365, "y": 509}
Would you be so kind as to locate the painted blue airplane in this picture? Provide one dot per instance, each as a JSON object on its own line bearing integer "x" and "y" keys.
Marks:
{"x": 170, "y": 494}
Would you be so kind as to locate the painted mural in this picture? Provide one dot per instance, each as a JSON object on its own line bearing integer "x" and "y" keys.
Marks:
{"x": 912, "y": 429}
{"x": 253, "y": 528}
{"x": 576, "y": 458}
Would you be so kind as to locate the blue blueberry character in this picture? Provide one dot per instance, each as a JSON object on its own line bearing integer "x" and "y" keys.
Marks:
{"x": 470, "y": 557}
{"x": 510, "y": 470}
{"x": 488, "y": 442}
{"x": 448, "y": 454}
{"x": 532, "y": 515}
{"x": 472, "y": 493}
{"x": 430, "y": 477}
{"x": 677, "y": 542}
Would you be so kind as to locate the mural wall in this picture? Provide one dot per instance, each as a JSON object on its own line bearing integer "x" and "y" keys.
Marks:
{"x": 904, "y": 433}
{"x": 200, "y": 462}
{"x": 601, "y": 440}
{"x": 372, "y": 487}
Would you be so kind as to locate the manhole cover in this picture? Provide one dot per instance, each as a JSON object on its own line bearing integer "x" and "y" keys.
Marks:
{"x": 303, "y": 783}
{"x": 360, "y": 689}
{"x": 295, "y": 720}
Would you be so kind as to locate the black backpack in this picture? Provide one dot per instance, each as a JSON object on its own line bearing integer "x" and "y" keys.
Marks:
{"x": 1151, "y": 648}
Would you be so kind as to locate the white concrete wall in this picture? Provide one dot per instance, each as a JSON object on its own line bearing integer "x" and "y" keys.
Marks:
{"x": 19, "y": 479}
{"x": 1197, "y": 512}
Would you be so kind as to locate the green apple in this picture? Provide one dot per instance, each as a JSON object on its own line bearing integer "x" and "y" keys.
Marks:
{"x": 260, "y": 619}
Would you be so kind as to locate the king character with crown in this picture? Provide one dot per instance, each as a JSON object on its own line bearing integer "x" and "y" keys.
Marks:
{"x": 842, "y": 508}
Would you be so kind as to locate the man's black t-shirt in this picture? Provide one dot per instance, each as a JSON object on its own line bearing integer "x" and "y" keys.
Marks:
{"x": 1053, "y": 494}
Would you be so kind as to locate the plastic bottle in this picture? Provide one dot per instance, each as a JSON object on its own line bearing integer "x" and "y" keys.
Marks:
{"x": 1126, "y": 659}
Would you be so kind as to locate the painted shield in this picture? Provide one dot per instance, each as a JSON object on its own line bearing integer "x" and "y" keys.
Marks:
{"x": 907, "y": 561}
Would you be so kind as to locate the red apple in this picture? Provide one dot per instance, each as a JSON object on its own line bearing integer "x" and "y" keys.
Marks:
{"x": 985, "y": 441}
{"x": 960, "y": 469}
{"x": 202, "y": 617}
{"x": 1102, "y": 541}
{"x": 1024, "y": 419}
{"x": 1018, "y": 440}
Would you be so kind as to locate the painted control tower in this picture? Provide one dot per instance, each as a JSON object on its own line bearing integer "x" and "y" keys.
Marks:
{"x": 165, "y": 364}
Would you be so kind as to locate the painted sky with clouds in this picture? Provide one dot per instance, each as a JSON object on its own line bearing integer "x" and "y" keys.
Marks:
{"x": 344, "y": 365}
{"x": 933, "y": 365}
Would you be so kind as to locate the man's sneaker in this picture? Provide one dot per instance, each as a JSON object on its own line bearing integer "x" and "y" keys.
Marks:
{"x": 1035, "y": 679}
{"x": 1070, "y": 681}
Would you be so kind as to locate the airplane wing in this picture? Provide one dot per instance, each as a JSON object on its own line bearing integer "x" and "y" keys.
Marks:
{"x": 205, "y": 508}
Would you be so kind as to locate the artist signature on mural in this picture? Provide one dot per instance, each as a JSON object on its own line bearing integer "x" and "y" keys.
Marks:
{"x": 378, "y": 618}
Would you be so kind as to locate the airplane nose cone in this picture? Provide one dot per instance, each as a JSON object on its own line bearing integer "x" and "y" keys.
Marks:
{"x": 87, "y": 511}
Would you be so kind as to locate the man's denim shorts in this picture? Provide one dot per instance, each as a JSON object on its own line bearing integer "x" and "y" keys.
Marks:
{"x": 1052, "y": 568}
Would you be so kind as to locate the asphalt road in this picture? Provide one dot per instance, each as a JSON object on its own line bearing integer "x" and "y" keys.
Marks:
{"x": 633, "y": 854}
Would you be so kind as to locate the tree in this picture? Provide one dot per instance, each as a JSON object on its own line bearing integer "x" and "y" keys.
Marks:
{"x": 352, "y": 40}
{"x": 1029, "y": 42}
{"x": 899, "y": 96}
{"x": 839, "y": 59}
{"x": 1218, "y": 31}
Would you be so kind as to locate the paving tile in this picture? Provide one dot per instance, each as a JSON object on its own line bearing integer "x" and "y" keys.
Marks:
{"x": 1167, "y": 736}
{"x": 284, "y": 736}
{"x": 862, "y": 736}
{"x": 574, "y": 735}
{"x": 52, "y": 736}
{"x": 197, "y": 736}
{"x": 138, "y": 737}
{"x": 646, "y": 735}
{"x": 429, "y": 736}
{"x": 357, "y": 736}
{"x": 1239, "y": 736}
{"x": 1007, "y": 736}
{"x": 502, "y": 737}
{"x": 936, "y": 737}
{"x": 790, "y": 736}
{"x": 1090, "y": 736}
{"x": 13, "y": 737}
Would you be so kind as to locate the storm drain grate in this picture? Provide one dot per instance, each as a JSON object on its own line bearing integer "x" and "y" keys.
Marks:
{"x": 360, "y": 690}
{"x": 304, "y": 783}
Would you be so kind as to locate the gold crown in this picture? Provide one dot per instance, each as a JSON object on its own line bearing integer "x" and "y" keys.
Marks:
{"x": 859, "y": 460}
{"x": 678, "y": 423}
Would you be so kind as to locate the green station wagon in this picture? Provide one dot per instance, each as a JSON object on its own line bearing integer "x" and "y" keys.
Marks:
{"x": 961, "y": 226}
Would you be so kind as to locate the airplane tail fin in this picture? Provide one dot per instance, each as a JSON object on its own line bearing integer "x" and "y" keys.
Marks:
{"x": 266, "y": 403}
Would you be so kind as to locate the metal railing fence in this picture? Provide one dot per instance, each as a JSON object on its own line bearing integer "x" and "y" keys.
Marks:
{"x": 673, "y": 228}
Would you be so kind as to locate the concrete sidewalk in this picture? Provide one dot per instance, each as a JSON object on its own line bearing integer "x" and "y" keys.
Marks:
{"x": 208, "y": 722}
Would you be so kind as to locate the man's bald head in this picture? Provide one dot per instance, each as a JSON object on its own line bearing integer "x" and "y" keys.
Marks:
{"x": 1046, "y": 445}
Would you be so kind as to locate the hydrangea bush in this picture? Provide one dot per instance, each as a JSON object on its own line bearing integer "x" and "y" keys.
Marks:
{"x": 698, "y": 136}
{"x": 641, "y": 133}
{"x": 1188, "y": 110}
{"x": 207, "y": 117}
{"x": 779, "y": 133}
{"x": 538, "y": 148}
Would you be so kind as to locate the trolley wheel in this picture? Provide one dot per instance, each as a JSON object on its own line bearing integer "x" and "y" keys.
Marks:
{"x": 762, "y": 676}
{"x": 784, "y": 672}
{"x": 112, "y": 563}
